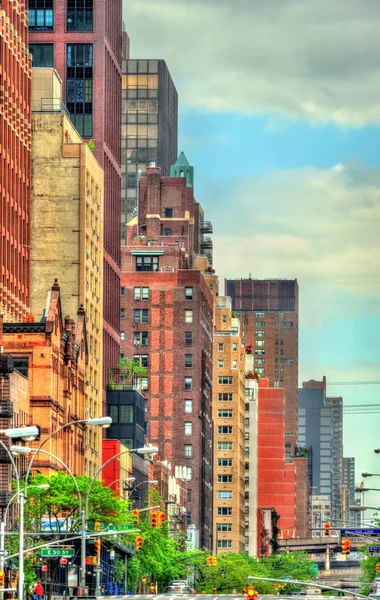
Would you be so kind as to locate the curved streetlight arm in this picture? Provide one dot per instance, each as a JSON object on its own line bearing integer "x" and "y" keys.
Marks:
{"x": 99, "y": 471}
{"x": 12, "y": 462}
{"x": 53, "y": 433}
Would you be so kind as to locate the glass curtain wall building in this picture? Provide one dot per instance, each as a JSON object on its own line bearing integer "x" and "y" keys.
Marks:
{"x": 149, "y": 126}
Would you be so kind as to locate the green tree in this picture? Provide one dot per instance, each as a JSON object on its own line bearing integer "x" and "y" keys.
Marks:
{"x": 368, "y": 567}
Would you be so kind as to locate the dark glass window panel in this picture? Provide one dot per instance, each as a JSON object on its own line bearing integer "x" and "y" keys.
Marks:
{"x": 41, "y": 14}
{"x": 42, "y": 55}
{"x": 79, "y": 15}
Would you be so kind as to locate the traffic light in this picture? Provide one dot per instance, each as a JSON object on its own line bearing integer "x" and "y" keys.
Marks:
{"x": 346, "y": 547}
{"x": 97, "y": 526}
{"x": 152, "y": 588}
{"x": 251, "y": 593}
{"x": 378, "y": 568}
{"x": 136, "y": 516}
{"x": 327, "y": 528}
{"x": 154, "y": 517}
{"x": 209, "y": 560}
{"x": 161, "y": 519}
{"x": 139, "y": 542}
{"x": 97, "y": 545}
{"x": 2, "y": 579}
{"x": 213, "y": 561}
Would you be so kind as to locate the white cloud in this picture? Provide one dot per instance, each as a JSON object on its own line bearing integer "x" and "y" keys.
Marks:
{"x": 319, "y": 226}
{"x": 317, "y": 60}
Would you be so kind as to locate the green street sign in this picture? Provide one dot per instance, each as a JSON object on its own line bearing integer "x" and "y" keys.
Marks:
{"x": 121, "y": 527}
{"x": 53, "y": 552}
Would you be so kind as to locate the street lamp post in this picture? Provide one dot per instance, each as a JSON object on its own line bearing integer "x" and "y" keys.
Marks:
{"x": 144, "y": 450}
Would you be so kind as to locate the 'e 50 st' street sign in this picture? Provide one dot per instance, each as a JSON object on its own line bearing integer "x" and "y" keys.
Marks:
{"x": 53, "y": 552}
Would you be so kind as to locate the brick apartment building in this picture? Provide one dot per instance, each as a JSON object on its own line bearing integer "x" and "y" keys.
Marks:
{"x": 85, "y": 47}
{"x": 269, "y": 314}
{"x": 166, "y": 325}
{"x": 229, "y": 430}
{"x": 15, "y": 157}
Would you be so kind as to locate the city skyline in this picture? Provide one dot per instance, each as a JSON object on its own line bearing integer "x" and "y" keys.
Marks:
{"x": 284, "y": 148}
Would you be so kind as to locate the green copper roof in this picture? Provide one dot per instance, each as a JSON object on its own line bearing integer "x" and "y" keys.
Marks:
{"x": 182, "y": 161}
{"x": 182, "y": 168}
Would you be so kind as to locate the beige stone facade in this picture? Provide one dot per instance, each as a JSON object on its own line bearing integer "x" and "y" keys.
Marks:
{"x": 229, "y": 429}
{"x": 67, "y": 234}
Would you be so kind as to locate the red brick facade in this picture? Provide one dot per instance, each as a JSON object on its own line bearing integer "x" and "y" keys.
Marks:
{"x": 106, "y": 40}
{"x": 15, "y": 157}
{"x": 276, "y": 485}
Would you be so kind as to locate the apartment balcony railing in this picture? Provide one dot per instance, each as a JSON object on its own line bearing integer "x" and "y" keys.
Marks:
{"x": 206, "y": 227}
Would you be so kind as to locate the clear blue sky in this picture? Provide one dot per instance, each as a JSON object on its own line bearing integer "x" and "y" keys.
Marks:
{"x": 280, "y": 116}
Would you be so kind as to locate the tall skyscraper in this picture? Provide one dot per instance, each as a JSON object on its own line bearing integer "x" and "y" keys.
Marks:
{"x": 84, "y": 44}
{"x": 269, "y": 313}
{"x": 149, "y": 126}
{"x": 348, "y": 493}
{"x": 15, "y": 156}
{"x": 321, "y": 429}
{"x": 167, "y": 326}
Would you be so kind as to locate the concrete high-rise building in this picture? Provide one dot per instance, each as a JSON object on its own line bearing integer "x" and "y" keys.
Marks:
{"x": 269, "y": 314}
{"x": 229, "y": 430}
{"x": 320, "y": 513}
{"x": 84, "y": 45}
{"x": 149, "y": 126}
{"x": 348, "y": 493}
{"x": 321, "y": 429}
{"x": 67, "y": 234}
{"x": 166, "y": 320}
{"x": 15, "y": 156}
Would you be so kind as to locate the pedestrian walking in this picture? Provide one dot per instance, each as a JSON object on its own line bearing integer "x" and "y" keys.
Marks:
{"x": 39, "y": 591}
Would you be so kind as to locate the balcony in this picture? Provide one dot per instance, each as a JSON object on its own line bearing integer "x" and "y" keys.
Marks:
{"x": 4, "y": 457}
{"x": 206, "y": 243}
{"x": 206, "y": 227}
{"x": 6, "y": 409}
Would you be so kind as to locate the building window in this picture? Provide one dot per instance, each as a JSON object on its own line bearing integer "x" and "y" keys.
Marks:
{"x": 234, "y": 364}
{"x": 122, "y": 336}
{"x": 224, "y": 478}
{"x": 188, "y": 316}
{"x": 260, "y": 333}
{"x": 40, "y": 15}
{"x": 127, "y": 442}
{"x": 147, "y": 263}
{"x": 141, "y": 293}
{"x": 122, "y": 291}
{"x": 259, "y": 352}
{"x": 260, "y": 315}
{"x": 141, "y": 315}
{"x": 167, "y": 232}
{"x": 142, "y": 359}
{"x": 260, "y": 343}
{"x": 140, "y": 338}
{"x": 79, "y": 87}
{"x": 224, "y": 319}
{"x": 224, "y": 495}
{"x": 225, "y": 429}
{"x": 126, "y": 414}
{"x": 225, "y": 397}
{"x": 189, "y": 496}
{"x": 224, "y": 543}
{"x": 42, "y": 55}
{"x": 188, "y": 361}
{"x": 169, "y": 213}
{"x": 225, "y": 446}
{"x": 188, "y": 338}
{"x": 225, "y": 380}
{"x": 225, "y": 413}
{"x": 221, "y": 347}
{"x": 225, "y": 511}
{"x": 260, "y": 361}
{"x": 260, "y": 370}
{"x": 188, "y": 384}
{"x": 287, "y": 323}
{"x": 188, "y": 428}
{"x": 188, "y": 406}
{"x": 250, "y": 392}
{"x": 188, "y": 450}
{"x": 122, "y": 313}
{"x": 79, "y": 15}
{"x": 221, "y": 364}
{"x": 234, "y": 347}
{"x": 113, "y": 412}
{"x": 286, "y": 361}
{"x": 188, "y": 293}
{"x": 224, "y": 527}
{"x": 224, "y": 462}
{"x": 260, "y": 324}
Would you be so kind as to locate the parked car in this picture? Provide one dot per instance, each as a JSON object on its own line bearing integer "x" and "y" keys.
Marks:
{"x": 178, "y": 587}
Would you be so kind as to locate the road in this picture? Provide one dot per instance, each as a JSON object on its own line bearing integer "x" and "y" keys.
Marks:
{"x": 212, "y": 597}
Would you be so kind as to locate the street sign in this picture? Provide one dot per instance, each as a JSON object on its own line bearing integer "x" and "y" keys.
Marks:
{"x": 374, "y": 549}
{"x": 128, "y": 527}
{"x": 98, "y": 569}
{"x": 369, "y": 532}
{"x": 54, "y": 552}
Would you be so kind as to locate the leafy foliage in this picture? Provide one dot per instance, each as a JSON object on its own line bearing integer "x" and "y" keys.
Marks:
{"x": 368, "y": 567}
